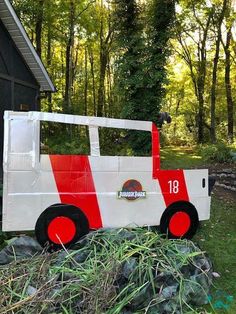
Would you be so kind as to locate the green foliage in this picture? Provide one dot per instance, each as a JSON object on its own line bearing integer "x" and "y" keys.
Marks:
{"x": 141, "y": 78}
{"x": 64, "y": 139}
{"x": 216, "y": 153}
{"x": 141, "y": 68}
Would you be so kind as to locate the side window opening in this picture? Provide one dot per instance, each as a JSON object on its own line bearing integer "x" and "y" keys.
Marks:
{"x": 64, "y": 139}
{"x": 123, "y": 142}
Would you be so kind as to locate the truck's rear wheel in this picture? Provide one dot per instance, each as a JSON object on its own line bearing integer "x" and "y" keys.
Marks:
{"x": 61, "y": 225}
{"x": 179, "y": 220}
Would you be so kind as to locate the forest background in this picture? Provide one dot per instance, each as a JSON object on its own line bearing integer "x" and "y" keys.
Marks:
{"x": 133, "y": 59}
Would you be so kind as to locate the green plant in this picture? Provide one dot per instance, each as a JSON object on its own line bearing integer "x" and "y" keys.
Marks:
{"x": 216, "y": 153}
{"x": 111, "y": 271}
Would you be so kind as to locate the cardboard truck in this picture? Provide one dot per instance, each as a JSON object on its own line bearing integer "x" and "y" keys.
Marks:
{"x": 62, "y": 197}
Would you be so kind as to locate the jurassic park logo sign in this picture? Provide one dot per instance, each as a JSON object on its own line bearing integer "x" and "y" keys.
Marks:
{"x": 132, "y": 190}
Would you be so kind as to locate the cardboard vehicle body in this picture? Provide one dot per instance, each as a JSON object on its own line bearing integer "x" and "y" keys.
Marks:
{"x": 111, "y": 191}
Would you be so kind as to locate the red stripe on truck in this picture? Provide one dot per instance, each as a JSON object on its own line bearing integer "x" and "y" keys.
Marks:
{"x": 75, "y": 185}
{"x": 155, "y": 151}
{"x": 173, "y": 186}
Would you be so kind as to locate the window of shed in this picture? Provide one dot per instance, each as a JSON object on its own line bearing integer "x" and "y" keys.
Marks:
{"x": 64, "y": 139}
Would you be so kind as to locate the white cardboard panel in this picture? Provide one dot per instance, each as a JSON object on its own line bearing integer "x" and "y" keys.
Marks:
{"x": 135, "y": 164}
{"x": 104, "y": 163}
{"x": 94, "y": 141}
{"x": 26, "y": 195}
{"x": 21, "y": 136}
{"x": 194, "y": 182}
{"x": 82, "y": 120}
{"x": 122, "y": 212}
{"x": 202, "y": 205}
{"x": 29, "y": 184}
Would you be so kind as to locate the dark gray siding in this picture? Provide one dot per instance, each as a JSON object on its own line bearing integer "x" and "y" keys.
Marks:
{"x": 18, "y": 86}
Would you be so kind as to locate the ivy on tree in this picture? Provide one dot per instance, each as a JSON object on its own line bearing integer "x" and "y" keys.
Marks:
{"x": 141, "y": 67}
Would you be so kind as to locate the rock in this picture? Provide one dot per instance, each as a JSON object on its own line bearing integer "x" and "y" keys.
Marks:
{"x": 152, "y": 281}
{"x": 61, "y": 258}
{"x": 141, "y": 299}
{"x": 31, "y": 290}
{"x": 20, "y": 248}
{"x": 169, "y": 307}
{"x": 215, "y": 274}
{"x": 129, "y": 267}
{"x": 169, "y": 291}
{"x": 81, "y": 256}
{"x": 197, "y": 290}
{"x": 227, "y": 170}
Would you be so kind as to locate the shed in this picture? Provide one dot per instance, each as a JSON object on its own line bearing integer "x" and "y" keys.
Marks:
{"x": 22, "y": 74}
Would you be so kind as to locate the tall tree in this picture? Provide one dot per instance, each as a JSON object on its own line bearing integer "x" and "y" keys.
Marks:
{"x": 159, "y": 32}
{"x": 105, "y": 36}
{"x": 86, "y": 81}
{"x": 38, "y": 26}
{"x": 91, "y": 60}
{"x": 194, "y": 27}
{"x": 228, "y": 84}
{"x": 130, "y": 42}
{"x": 69, "y": 56}
{"x": 218, "y": 20}
{"x": 141, "y": 67}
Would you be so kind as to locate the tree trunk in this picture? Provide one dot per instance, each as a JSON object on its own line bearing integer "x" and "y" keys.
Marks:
{"x": 105, "y": 42}
{"x": 38, "y": 27}
{"x": 201, "y": 90}
{"x": 69, "y": 59}
{"x": 200, "y": 116}
{"x": 214, "y": 73}
{"x": 103, "y": 62}
{"x": 101, "y": 88}
{"x": 49, "y": 61}
{"x": 198, "y": 68}
{"x": 85, "y": 82}
{"x": 176, "y": 114}
{"x": 202, "y": 79}
{"x": 91, "y": 59}
{"x": 230, "y": 104}
{"x": 109, "y": 90}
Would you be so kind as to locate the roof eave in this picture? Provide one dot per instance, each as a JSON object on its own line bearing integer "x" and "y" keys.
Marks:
{"x": 47, "y": 85}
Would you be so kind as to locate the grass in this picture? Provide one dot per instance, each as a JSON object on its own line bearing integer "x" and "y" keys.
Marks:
{"x": 175, "y": 157}
{"x": 217, "y": 236}
{"x": 114, "y": 269}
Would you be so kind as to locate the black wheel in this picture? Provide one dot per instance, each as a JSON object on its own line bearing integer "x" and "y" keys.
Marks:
{"x": 179, "y": 220}
{"x": 61, "y": 225}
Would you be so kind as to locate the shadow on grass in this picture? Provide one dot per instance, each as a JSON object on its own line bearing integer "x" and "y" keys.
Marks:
{"x": 180, "y": 157}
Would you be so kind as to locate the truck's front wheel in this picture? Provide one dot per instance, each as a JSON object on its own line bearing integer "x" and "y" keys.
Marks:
{"x": 179, "y": 220}
{"x": 61, "y": 225}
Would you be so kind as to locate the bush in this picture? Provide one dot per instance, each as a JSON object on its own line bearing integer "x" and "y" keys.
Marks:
{"x": 216, "y": 153}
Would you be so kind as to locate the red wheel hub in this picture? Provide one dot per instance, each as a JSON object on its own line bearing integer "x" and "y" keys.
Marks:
{"x": 179, "y": 224}
{"x": 61, "y": 230}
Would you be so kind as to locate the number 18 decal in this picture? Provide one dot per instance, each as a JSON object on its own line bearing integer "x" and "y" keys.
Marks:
{"x": 174, "y": 186}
